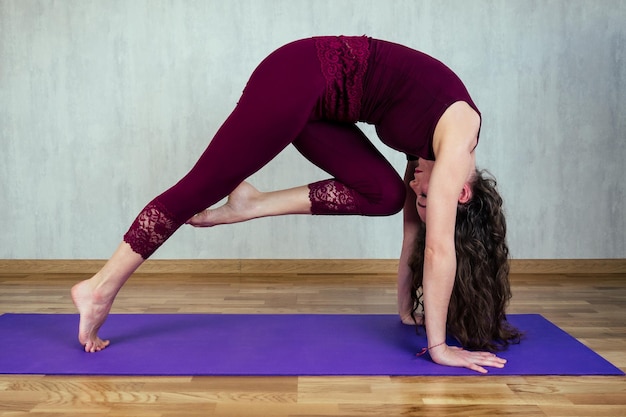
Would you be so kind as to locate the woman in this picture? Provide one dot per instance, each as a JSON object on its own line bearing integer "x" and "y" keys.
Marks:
{"x": 310, "y": 93}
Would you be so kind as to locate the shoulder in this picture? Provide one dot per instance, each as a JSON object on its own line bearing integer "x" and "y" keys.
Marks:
{"x": 460, "y": 113}
{"x": 458, "y": 125}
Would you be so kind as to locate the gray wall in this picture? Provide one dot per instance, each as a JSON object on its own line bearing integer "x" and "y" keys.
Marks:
{"x": 104, "y": 104}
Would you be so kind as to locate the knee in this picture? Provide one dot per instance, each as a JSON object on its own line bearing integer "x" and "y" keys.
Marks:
{"x": 388, "y": 200}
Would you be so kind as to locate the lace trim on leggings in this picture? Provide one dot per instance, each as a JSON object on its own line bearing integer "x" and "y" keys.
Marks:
{"x": 332, "y": 197}
{"x": 344, "y": 63}
{"x": 153, "y": 226}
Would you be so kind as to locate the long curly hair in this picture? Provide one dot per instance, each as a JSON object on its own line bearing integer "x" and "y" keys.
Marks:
{"x": 481, "y": 292}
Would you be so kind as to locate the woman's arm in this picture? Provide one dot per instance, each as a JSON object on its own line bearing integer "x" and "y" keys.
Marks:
{"x": 410, "y": 228}
{"x": 454, "y": 141}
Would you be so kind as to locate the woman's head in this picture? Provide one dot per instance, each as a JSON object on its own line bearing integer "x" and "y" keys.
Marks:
{"x": 421, "y": 183}
{"x": 476, "y": 315}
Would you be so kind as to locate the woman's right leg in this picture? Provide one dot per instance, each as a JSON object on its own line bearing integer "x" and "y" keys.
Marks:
{"x": 364, "y": 182}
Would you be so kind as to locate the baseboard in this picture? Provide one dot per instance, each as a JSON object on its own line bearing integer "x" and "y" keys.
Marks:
{"x": 297, "y": 266}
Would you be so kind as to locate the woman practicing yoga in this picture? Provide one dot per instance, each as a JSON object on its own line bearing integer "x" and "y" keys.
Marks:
{"x": 310, "y": 93}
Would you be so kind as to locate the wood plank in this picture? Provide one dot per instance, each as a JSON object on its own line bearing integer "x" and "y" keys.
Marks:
{"x": 297, "y": 266}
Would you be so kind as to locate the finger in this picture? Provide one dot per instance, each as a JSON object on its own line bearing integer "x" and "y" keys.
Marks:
{"x": 500, "y": 361}
{"x": 477, "y": 368}
{"x": 491, "y": 361}
{"x": 496, "y": 363}
{"x": 492, "y": 358}
{"x": 487, "y": 357}
{"x": 484, "y": 356}
{"x": 477, "y": 360}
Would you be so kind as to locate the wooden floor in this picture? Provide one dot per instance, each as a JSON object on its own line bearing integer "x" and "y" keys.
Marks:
{"x": 590, "y": 307}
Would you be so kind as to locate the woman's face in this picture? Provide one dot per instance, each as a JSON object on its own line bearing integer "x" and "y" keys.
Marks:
{"x": 420, "y": 185}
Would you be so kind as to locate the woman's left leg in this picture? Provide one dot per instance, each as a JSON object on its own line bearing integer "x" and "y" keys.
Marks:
{"x": 277, "y": 102}
{"x": 275, "y": 106}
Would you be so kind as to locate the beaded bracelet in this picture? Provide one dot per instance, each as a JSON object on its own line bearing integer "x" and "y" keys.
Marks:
{"x": 426, "y": 349}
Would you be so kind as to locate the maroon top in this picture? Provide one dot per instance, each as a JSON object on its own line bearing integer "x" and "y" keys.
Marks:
{"x": 403, "y": 92}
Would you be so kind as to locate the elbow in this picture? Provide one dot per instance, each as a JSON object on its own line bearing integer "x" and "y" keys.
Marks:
{"x": 439, "y": 255}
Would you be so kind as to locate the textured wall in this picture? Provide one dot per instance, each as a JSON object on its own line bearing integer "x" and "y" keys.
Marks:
{"x": 104, "y": 104}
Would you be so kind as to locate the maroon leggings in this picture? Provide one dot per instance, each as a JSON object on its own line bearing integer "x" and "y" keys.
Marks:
{"x": 279, "y": 106}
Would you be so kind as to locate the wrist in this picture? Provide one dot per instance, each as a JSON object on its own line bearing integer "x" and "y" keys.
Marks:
{"x": 438, "y": 346}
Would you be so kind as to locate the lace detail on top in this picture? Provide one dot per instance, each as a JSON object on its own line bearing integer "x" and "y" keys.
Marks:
{"x": 332, "y": 197}
{"x": 153, "y": 226}
{"x": 344, "y": 63}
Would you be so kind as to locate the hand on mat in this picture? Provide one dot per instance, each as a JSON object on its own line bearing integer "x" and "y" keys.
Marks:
{"x": 409, "y": 320}
{"x": 459, "y": 357}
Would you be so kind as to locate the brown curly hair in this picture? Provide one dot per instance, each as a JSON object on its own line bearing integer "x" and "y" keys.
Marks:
{"x": 481, "y": 293}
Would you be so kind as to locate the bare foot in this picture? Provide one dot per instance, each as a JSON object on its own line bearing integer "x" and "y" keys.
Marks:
{"x": 93, "y": 312}
{"x": 239, "y": 207}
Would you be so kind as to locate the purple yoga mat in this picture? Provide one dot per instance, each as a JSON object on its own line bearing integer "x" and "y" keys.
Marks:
{"x": 247, "y": 345}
